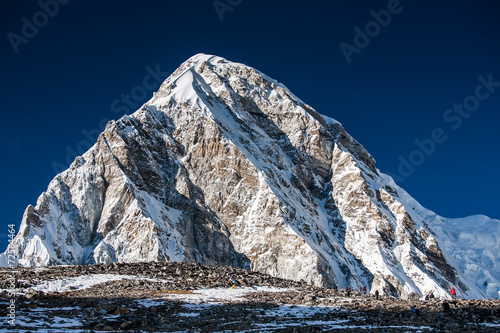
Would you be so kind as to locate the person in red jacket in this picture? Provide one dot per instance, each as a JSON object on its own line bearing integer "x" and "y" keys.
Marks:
{"x": 453, "y": 293}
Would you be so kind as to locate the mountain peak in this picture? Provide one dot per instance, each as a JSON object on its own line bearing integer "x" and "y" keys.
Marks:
{"x": 203, "y": 57}
{"x": 210, "y": 83}
{"x": 187, "y": 83}
{"x": 225, "y": 165}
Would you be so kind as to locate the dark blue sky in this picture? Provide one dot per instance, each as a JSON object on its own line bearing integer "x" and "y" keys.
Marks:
{"x": 397, "y": 88}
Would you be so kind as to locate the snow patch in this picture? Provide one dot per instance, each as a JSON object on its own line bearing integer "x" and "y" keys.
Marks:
{"x": 85, "y": 282}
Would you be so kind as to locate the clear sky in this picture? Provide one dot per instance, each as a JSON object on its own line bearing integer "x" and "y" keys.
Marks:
{"x": 389, "y": 71}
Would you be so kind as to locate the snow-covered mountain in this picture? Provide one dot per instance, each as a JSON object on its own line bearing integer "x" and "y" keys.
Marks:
{"x": 224, "y": 165}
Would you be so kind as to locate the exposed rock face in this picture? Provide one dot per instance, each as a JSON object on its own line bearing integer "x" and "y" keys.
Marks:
{"x": 225, "y": 166}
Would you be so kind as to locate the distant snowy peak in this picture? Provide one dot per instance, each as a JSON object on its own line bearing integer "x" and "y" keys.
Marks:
{"x": 225, "y": 165}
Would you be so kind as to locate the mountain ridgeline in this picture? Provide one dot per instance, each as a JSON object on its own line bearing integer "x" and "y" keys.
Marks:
{"x": 225, "y": 166}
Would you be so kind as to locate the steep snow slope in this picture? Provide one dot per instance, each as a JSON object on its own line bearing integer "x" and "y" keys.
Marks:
{"x": 224, "y": 165}
{"x": 470, "y": 244}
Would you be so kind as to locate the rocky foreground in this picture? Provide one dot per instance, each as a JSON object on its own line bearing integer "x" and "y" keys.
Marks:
{"x": 180, "y": 297}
